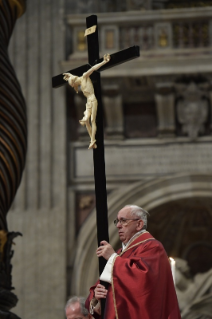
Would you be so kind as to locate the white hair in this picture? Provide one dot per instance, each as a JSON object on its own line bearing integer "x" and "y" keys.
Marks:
{"x": 140, "y": 213}
{"x": 81, "y": 301}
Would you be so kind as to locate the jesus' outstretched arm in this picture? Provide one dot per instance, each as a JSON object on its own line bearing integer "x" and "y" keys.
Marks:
{"x": 106, "y": 59}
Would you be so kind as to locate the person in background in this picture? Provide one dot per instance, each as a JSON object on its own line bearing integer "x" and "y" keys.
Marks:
{"x": 75, "y": 309}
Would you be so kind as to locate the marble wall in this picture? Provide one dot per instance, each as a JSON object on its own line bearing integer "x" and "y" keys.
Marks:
{"x": 39, "y": 209}
{"x": 132, "y": 160}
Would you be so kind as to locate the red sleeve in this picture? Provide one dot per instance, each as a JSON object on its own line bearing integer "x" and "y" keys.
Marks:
{"x": 88, "y": 300}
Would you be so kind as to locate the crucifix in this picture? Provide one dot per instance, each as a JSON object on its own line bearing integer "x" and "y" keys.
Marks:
{"x": 98, "y": 153}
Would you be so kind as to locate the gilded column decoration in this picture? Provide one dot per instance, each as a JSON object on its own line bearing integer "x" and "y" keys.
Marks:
{"x": 13, "y": 145}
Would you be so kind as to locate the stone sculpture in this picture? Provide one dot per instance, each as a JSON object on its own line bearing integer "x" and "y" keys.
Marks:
{"x": 192, "y": 110}
{"x": 194, "y": 293}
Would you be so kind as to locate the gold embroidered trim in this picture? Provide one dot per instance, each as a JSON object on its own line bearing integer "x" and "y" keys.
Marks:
{"x": 136, "y": 238}
{"x": 143, "y": 241}
{"x": 113, "y": 290}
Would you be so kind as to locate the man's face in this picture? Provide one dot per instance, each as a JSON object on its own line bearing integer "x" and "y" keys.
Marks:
{"x": 74, "y": 312}
{"x": 133, "y": 226}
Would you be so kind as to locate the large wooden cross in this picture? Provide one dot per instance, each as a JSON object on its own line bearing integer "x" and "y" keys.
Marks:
{"x": 98, "y": 153}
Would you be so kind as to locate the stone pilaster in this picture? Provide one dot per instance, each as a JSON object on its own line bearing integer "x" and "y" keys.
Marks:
{"x": 165, "y": 99}
{"x": 113, "y": 110}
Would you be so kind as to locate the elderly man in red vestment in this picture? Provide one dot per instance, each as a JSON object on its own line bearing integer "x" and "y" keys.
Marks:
{"x": 139, "y": 274}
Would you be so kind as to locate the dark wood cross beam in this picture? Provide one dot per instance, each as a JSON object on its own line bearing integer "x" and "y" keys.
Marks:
{"x": 98, "y": 153}
{"x": 115, "y": 59}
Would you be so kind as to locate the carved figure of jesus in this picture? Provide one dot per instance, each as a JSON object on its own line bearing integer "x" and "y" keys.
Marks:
{"x": 88, "y": 90}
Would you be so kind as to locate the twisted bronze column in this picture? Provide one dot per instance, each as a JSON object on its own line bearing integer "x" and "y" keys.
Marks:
{"x": 13, "y": 145}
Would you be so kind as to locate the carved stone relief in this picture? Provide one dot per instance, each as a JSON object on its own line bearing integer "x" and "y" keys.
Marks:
{"x": 192, "y": 109}
{"x": 84, "y": 6}
{"x": 194, "y": 293}
{"x": 138, "y": 4}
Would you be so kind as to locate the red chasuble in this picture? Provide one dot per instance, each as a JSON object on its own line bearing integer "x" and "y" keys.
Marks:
{"x": 142, "y": 285}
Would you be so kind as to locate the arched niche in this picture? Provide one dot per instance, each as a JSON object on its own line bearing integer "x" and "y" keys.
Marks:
{"x": 149, "y": 195}
{"x": 184, "y": 228}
